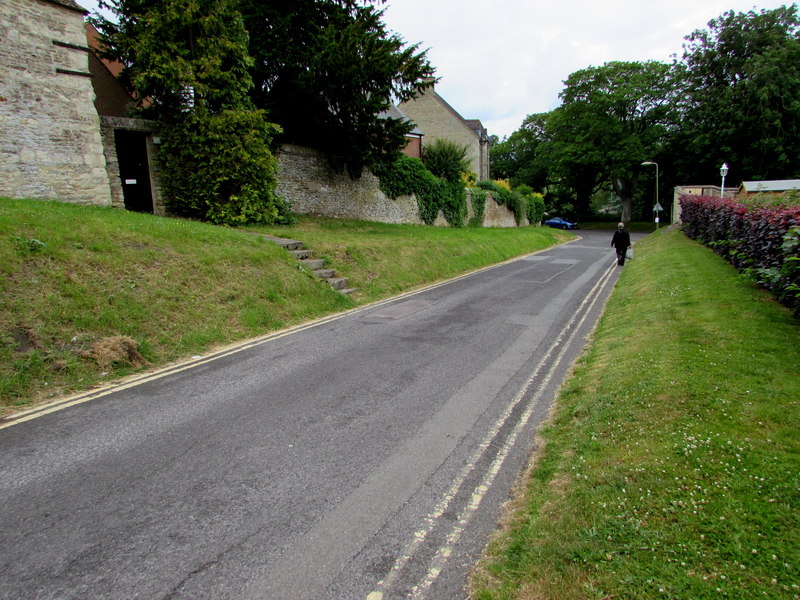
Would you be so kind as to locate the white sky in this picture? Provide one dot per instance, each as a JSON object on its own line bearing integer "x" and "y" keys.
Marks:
{"x": 501, "y": 60}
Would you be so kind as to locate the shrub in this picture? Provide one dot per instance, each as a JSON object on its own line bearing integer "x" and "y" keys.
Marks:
{"x": 535, "y": 202}
{"x": 446, "y": 159}
{"x": 760, "y": 239}
{"x": 218, "y": 168}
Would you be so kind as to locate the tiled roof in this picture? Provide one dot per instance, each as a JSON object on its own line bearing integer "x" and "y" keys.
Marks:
{"x": 394, "y": 112}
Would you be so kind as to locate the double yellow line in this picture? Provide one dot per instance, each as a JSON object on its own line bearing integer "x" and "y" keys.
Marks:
{"x": 135, "y": 380}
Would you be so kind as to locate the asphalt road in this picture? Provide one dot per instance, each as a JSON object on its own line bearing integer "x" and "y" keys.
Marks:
{"x": 363, "y": 456}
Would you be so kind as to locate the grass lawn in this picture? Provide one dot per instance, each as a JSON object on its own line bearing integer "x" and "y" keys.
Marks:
{"x": 670, "y": 467}
{"x": 89, "y": 294}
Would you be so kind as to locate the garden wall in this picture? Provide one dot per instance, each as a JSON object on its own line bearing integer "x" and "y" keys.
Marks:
{"x": 313, "y": 188}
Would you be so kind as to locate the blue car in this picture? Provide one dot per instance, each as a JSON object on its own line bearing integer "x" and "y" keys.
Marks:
{"x": 560, "y": 223}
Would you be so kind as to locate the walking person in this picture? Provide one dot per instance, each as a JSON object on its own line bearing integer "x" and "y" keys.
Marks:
{"x": 621, "y": 241}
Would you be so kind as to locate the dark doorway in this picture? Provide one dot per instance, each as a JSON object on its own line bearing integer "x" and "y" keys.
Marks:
{"x": 134, "y": 170}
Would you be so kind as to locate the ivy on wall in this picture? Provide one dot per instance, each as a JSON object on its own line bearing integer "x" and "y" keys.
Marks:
{"x": 407, "y": 176}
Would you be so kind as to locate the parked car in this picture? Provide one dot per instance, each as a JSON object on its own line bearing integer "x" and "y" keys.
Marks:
{"x": 560, "y": 223}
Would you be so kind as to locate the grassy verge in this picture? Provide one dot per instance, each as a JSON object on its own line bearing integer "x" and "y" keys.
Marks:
{"x": 383, "y": 259}
{"x": 671, "y": 465}
{"x": 89, "y": 294}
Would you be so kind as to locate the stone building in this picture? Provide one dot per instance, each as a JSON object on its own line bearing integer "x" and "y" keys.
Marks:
{"x": 50, "y": 142}
{"x": 438, "y": 120}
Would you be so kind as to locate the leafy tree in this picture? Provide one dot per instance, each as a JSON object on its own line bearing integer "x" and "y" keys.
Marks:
{"x": 612, "y": 119}
{"x": 179, "y": 55}
{"x": 742, "y": 89}
{"x": 516, "y": 157}
{"x": 187, "y": 63}
{"x": 326, "y": 69}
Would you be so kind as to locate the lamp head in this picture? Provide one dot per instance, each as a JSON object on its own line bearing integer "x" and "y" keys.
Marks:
{"x": 723, "y": 170}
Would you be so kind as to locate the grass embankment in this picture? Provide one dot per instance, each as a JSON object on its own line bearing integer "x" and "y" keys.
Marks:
{"x": 671, "y": 465}
{"x": 90, "y": 294}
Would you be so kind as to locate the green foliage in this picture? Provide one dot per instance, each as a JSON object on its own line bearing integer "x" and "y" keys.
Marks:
{"x": 512, "y": 200}
{"x": 478, "y": 198}
{"x": 742, "y": 84}
{"x": 408, "y": 175}
{"x": 179, "y": 54}
{"x": 326, "y": 69}
{"x": 189, "y": 60}
{"x": 446, "y": 159}
{"x": 535, "y": 203}
{"x": 613, "y": 118}
{"x": 232, "y": 176}
{"x": 518, "y": 158}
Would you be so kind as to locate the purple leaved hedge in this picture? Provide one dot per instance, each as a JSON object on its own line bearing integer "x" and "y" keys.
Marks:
{"x": 761, "y": 241}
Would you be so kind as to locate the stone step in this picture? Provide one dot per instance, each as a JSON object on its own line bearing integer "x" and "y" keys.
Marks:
{"x": 300, "y": 254}
{"x": 313, "y": 264}
{"x": 338, "y": 283}
{"x": 285, "y": 242}
{"x": 324, "y": 273}
{"x": 347, "y": 291}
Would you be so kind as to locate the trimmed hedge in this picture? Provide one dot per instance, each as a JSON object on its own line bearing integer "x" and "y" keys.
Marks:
{"x": 760, "y": 241}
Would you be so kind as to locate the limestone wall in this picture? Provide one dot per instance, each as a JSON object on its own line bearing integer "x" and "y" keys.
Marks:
{"x": 50, "y": 144}
{"x": 306, "y": 180}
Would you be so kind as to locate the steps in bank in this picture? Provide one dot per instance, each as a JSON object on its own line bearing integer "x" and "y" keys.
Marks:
{"x": 315, "y": 265}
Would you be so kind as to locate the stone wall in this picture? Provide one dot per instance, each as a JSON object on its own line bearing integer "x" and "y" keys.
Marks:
{"x": 50, "y": 144}
{"x": 306, "y": 180}
{"x": 313, "y": 188}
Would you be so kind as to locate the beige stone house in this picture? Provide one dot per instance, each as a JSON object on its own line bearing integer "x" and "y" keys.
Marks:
{"x": 50, "y": 143}
{"x": 438, "y": 120}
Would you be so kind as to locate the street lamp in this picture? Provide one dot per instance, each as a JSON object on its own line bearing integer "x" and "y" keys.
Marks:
{"x": 723, "y": 170}
{"x": 657, "y": 208}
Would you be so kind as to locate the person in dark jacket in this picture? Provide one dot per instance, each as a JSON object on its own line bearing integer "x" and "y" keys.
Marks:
{"x": 621, "y": 241}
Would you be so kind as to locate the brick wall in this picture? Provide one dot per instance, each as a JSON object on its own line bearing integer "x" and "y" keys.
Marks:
{"x": 50, "y": 144}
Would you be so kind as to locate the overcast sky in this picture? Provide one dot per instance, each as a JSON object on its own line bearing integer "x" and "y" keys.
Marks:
{"x": 502, "y": 60}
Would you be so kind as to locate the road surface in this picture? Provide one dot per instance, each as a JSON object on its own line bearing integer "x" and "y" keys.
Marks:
{"x": 362, "y": 456}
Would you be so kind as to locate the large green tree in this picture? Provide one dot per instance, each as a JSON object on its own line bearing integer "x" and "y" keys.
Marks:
{"x": 325, "y": 70}
{"x": 179, "y": 55}
{"x": 612, "y": 118}
{"x": 742, "y": 97}
{"x": 187, "y": 63}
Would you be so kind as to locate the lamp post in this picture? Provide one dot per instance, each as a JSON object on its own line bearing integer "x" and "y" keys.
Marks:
{"x": 657, "y": 208}
{"x": 723, "y": 170}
